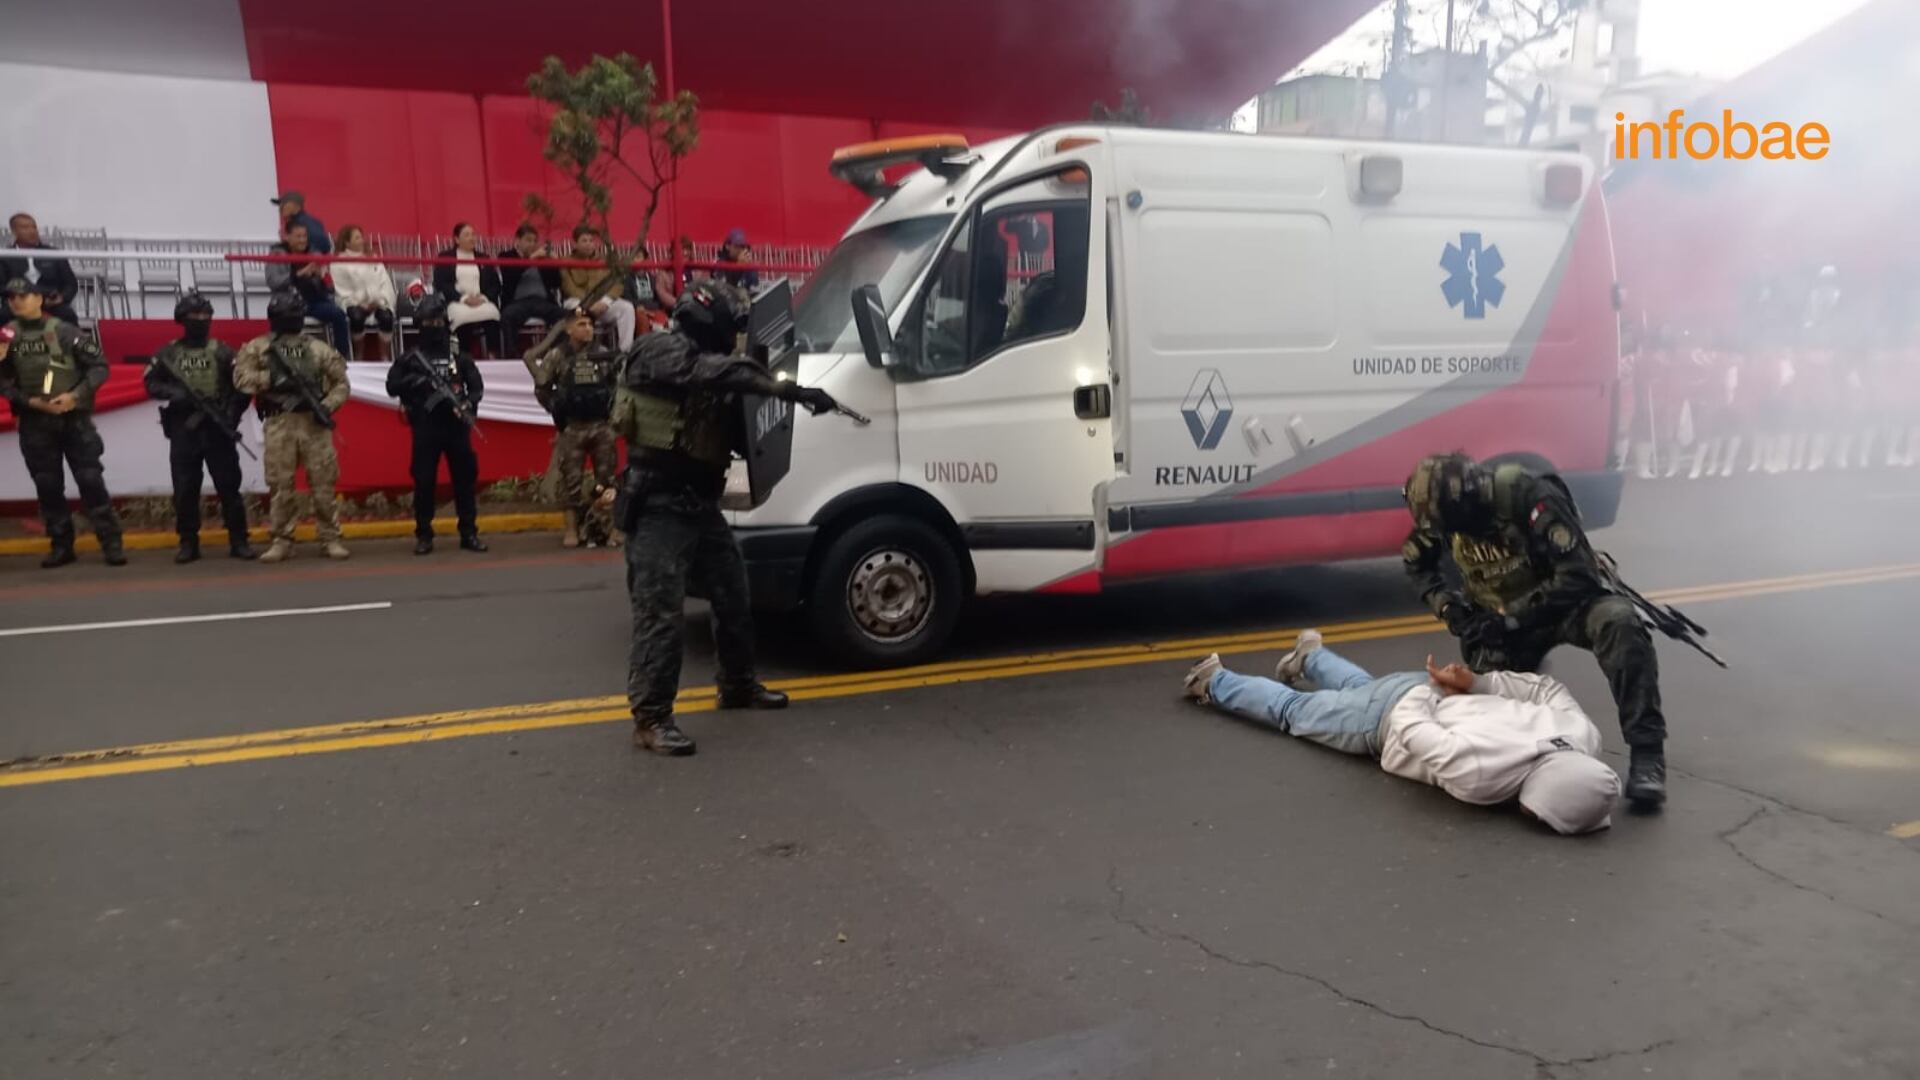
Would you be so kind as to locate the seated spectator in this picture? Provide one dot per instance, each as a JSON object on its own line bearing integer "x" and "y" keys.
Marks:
{"x": 309, "y": 279}
{"x": 472, "y": 292}
{"x": 737, "y": 250}
{"x": 576, "y": 282}
{"x": 366, "y": 291}
{"x": 293, "y": 207}
{"x": 53, "y": 276}
{"x": 529, "y": 291}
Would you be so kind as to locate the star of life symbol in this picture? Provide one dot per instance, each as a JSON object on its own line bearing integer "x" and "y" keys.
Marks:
{"x": 1207, "y": 409}
{"x": 1473, "y": 276}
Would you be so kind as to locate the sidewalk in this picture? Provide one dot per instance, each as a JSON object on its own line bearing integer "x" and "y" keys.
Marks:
{"x": 216, "y": 537}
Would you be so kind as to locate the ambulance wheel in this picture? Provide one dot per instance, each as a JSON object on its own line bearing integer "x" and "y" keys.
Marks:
{"x": 887, "y": 592}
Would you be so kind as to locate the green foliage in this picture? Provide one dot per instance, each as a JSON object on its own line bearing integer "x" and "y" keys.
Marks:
{"x": 607, "y": 113}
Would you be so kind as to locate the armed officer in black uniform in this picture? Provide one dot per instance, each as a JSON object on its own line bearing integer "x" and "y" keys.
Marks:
{"x": 1530, "y": 581}
{"x": 49, "y": 372}
{"x": 192, "y": 376}
{"x": 439, "y": 386}
{"x": 678, "y": 410}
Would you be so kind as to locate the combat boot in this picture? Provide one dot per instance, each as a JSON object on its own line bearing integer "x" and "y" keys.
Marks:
{"x": 571, "y": 538}
{"x": 113, "y": 553}
{"x": 189, "y": 551}
{"x": 278, "y": 551}
{"x": 240, "y": 549}
{"x": 754, "y": 695}
{"x": 662, "y": 736}
{"x": 472, "y": 542}
{"x": 61, "y": 555}
{"x": 1647, "y": 778}
{"x": 337, "y": 550}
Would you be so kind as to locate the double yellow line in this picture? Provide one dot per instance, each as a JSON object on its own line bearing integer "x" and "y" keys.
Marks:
{"x": 457, "y": 724}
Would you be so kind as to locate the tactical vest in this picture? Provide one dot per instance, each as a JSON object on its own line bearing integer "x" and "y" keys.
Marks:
{"x": 448, "y": 369}
{"x": 296, "y": 353}
{"x": 1498, "y": 570}
{"x": 585, "y": 385}
{"x": 41, "y": 361}
{"x": 668, "y": 421}
{"x": 198, "y": 368}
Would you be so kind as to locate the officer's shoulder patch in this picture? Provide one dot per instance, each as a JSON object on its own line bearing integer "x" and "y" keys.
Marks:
{"x": 1560, "y": 536}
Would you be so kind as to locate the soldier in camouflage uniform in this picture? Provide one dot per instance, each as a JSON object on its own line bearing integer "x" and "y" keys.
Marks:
{"x": 576, "y": 380}
{"x": 49, "y": 371}
{"x": 1529, "y": 582}
{"x": 193, "y": 375}
{"x": 677, "y": 408}
{"x": 272, "y": 368}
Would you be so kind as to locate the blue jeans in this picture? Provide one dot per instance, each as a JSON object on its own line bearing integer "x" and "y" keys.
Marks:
{"x": 338, "y": 328}
{"x": 1345, "y": 713}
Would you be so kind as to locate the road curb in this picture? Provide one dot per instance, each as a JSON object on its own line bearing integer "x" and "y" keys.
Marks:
{"x": 542, "y": 521}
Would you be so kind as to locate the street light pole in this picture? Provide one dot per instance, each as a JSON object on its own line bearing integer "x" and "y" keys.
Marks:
{"x": 1446, "y": 75}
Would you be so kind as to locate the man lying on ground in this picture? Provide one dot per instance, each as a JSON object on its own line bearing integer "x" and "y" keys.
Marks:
{"x": 1483, "y": 739}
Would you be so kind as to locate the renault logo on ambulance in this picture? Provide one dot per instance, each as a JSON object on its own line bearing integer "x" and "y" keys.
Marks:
{"x": 1207, "y": 409}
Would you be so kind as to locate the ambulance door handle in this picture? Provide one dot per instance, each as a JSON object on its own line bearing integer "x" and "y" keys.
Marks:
{"x": 1093, "y": 402}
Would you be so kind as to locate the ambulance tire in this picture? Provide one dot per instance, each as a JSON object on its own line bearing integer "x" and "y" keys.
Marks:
{"x": 886, "y": 592}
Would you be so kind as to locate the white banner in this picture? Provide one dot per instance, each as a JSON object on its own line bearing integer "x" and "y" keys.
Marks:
{"x": 136, "y": 454}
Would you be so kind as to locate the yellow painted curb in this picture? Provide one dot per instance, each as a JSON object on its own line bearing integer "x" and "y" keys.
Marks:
{"x": 539, "y": 521}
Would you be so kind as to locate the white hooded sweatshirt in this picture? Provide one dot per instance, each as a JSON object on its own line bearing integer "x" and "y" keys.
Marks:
{"x": 1481, "y": 747}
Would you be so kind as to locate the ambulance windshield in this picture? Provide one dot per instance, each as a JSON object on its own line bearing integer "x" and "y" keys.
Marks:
{"x": 889, "y": 256}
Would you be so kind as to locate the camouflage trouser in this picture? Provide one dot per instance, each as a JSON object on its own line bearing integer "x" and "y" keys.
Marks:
{"x": 677, "y": 538}
{"x": 49, "y": 443}
{"x": 572, "y": 445}
{"x": 295, "y": 439}
{"x": 1611, "y": 629}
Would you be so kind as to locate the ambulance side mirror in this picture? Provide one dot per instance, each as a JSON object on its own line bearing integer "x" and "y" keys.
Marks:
{"x": 870, "y": 318}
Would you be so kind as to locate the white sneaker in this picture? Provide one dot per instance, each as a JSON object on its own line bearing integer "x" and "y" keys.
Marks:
{"x": 1198, "y": 676}
{"x": 1292, "y": 667}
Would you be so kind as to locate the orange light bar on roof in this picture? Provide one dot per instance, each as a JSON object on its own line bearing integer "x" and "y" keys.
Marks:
{"x": 905, "y": 148}
{"x": 864, "y": 164}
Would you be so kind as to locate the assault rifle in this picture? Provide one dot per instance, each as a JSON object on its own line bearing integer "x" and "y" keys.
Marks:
{"x": 441, "y": 388}
{"x": 278, "y": 363}
{"x": 1665, "y": 618}
{"x": 206, "y": 408}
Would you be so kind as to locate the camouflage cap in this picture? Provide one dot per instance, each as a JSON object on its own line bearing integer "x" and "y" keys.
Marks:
{"x": 20, "y": 285}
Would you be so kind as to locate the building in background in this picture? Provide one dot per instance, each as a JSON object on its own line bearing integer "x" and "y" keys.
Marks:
{"x": 1330, "y": 105}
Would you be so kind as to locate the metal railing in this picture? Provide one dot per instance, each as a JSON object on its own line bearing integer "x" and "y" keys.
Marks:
{"x": 123, "y": 278}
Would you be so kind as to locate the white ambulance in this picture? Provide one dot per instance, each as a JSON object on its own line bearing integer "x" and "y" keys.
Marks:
{"x": 1094, "y": 354}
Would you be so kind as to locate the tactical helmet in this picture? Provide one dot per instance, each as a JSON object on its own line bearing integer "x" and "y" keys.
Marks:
{"x": 286, "y": 304}
{"x": 190, "y": 304}
{"x": 1450, "y": 491}
{"x": 712, "y": 313}
{"x": 286, "y": 312}
{"x": 432, "y": 308}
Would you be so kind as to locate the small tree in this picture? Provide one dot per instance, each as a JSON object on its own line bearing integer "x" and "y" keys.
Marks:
{"x": 602, "y": 112}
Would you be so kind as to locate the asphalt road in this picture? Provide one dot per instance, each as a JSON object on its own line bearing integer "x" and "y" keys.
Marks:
{"x": 1034, "y": 862}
